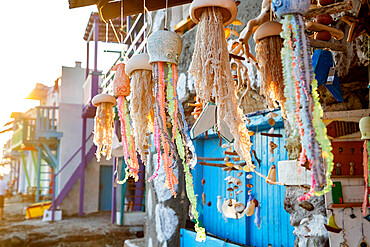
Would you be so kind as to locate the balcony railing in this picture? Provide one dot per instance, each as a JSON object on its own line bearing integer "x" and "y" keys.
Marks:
{"x": 46, "y": 123}
{"x": 24, "y": 134}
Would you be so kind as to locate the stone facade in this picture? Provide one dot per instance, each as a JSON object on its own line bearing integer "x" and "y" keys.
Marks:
{"x": 167, "y": 214}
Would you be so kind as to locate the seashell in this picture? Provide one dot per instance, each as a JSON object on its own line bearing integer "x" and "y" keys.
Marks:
{"x": 236, "y": 158}
{"x": 272, "y": 146}
{"x": 234, "y": 66}
{"x": 250, "y": 185}
{"x": 228, "y": 178}
{"x": 246, "y": 169}
{"x": 271, "y": 121}
{"x": 272, "y": 174}
{"x": 230, "y": 189}
{"x": 238, "y": 167}
{"x": 203, "y": 181}
{"x": 228, "y": 209}
{"x": 227, "y": 159}
{"x": 249, "y": 176}
{"x": 236, "y": 187}
{"x": 236, "y": 181}
{"x": 229, "y": 164}
{"x": 239, "y": 207}
{"x": 249, "y": 211}
{"x": 239, "y": 174}
{"x": 272, "y": 115}
{"x": 227, "y": 145}
{"x": 209, "y": 204}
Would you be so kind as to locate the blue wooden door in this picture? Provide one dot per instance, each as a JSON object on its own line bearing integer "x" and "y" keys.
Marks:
{"x": 275, "y": 229}
{"x": 105, "y": 188}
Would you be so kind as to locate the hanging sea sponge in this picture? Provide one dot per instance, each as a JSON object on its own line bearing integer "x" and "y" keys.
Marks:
{"x": 211, "y": 70}
{"x": 268, "y": 51}
{"x": 141, "y": 103}
{"x": 103, "y": 124}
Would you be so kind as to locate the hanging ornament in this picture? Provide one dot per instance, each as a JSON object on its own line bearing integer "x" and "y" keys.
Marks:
{"x": 272, "y": 174}
{"x": 323, "y": 67}
{"x": 121, "y": 89}
{"x": 141, "y": 103}
{"x": 332, "y": 226}
{"x": 365, "y": 132}
{"x": 268, "y": 54}
{"x": 164, "y": 48}
{"x": 301, "y": 85}
{"x": 211, "y": 69}
{"x": 251, "y": 206}
{"x": 103, "y": 124}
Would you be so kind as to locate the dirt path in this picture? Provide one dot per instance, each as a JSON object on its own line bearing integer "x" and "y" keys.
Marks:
{"x": 91, "y": 230}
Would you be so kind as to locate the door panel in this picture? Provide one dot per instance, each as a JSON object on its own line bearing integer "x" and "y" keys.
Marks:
{"x": 105, "y": 188}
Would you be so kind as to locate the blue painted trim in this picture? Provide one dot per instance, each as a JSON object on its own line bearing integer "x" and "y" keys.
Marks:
{"x": 259, "y": 121}
{"x": 187, "y": 239}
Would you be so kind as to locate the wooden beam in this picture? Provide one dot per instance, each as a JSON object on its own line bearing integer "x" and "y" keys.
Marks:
{"x": 329, "y": 45}
{"x": 211, "y": 164}
{"x": 210, "y": 159}
{"x": 347, "y": 205}
{"x": 330, "y": 9}
{"x": 272, "y": 135}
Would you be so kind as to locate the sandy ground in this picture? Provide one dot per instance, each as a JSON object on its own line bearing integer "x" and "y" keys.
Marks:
{"x": 90, "y": 230}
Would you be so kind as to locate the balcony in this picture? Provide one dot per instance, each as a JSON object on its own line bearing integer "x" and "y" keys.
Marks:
{"x": 24, "y": 134}
{"x": 46, "y": 123}
{"x": 29, "y": 130}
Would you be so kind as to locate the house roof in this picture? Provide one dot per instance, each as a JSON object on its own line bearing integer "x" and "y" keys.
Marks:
{"x": 39, "y": 92}
{"x": 103, "y": 29}
{"x": 112, "y": 10}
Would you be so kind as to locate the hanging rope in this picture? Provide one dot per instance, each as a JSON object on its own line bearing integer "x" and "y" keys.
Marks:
{"x": 165, "y": 16}
{"x": 115, "y": 32}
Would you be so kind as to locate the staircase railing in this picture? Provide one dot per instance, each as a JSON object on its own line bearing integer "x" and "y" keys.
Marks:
{"x": 56, "y": 201}
{"x": 136, "y": 40}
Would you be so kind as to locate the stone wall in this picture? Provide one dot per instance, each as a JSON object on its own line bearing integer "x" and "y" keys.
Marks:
{"x": 307, "y": 217}
{"x": 163, "y": 210}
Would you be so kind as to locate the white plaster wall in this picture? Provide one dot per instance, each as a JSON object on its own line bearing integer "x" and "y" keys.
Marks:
{"x": 32, "y": 173}
{"x": 70, "y": 121}
{"x": 72, "y": 84}
{"x": 352, "y": 227}
{"x": 22, "y": 179}
{"x": 70, "y": 124}
{"x": 70, "y": 204}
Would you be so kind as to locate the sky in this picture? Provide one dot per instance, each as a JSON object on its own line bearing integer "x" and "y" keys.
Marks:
{"x": 38, "y": 38}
